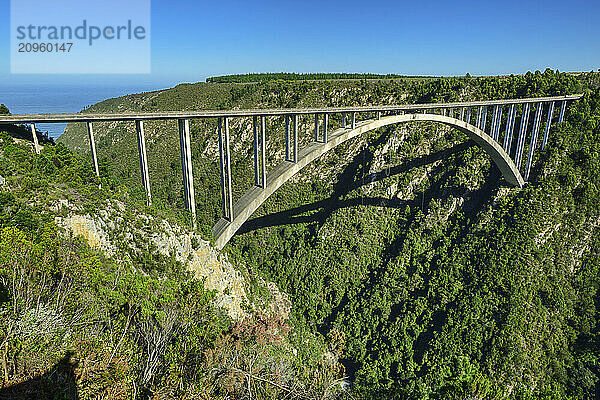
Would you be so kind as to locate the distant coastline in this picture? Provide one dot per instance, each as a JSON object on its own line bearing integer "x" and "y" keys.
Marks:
{"x": 52, "y": 98}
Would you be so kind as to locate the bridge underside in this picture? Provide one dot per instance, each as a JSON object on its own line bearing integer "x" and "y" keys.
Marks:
{"x": 254, "y": 197}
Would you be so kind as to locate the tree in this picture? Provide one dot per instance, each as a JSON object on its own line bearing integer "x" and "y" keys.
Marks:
{"x": 4, "y": 110}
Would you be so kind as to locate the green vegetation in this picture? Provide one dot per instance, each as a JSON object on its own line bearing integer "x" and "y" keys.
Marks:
{"x": 403, "y": 250}
{"x": 76, "y": 324}
{"x": 286, "y": 76}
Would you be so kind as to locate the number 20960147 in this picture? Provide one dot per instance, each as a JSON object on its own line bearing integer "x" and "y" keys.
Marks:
{"x": 45, "y": 47}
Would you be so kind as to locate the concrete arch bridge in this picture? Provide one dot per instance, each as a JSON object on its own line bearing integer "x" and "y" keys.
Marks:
{"x": 502, "y": 128}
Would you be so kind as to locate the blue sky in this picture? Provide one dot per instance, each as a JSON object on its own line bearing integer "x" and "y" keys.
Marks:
{"x": 192, "y": 40}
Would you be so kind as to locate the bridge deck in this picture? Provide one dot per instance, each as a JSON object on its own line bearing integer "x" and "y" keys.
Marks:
{"x": 84, "y": 117}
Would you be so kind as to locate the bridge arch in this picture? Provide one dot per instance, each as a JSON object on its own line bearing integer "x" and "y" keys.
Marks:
{"x": 254, "y": 197}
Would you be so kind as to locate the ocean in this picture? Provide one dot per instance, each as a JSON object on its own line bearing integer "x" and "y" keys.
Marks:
{"x": 55, "y": 98}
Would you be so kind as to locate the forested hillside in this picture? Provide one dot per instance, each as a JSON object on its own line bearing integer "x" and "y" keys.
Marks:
{"x": 422, "y": 271}
{"x": 98, "y": 300}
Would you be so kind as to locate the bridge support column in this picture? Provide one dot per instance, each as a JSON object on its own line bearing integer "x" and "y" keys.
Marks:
{"x": 510, "y": 123}
{"x": 548, "y": 123}
{"x": 496, "y": 119}
{"x": 343, "y": 120}
{"x": 325, "y": 124}
{"x": 353, "y": 122}
{"x": 534, "y": 135}
{"x": 141, "y": 140}
{"x": 483, "y": 119}
{"x": 295, "y": 140}
{"x": 225, "y": 163}
{"x": 462, "y": 113}
{"x": 522, "y": 134}
{"x": 378, "y": 114}
{"x": 316, "y": 127}
{"x": 563, "y": 107}
{"x": 260, "y": 173}
{"x": 263, "y": 151}
{"x": 468, "y": 115}
{"x": 36, "y": 145}
{"x": 186, "y": 167}
{"x": 287, "y": 138}
{"x": 255, "y": 131}
{"x": 93, "y": 148}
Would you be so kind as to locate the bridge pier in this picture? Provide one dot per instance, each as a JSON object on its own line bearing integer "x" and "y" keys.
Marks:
{"x": 343, "y": 120}
{"x": 287, "y": 138}
{"x": 534, "y": 135}
{"x": 36, "y": 145}
{"x": 548, "y": 123}
{"x": 510, "y": 122}
{"x": 225, "y": 164}
{"x": 263, "y": 151}
{"x": 316, "y": 127}
{"x": 93, "y": 148}
{"x": 468, "y": 115}
{"x": 483, "y": 118}
{"x": 259, "y": 151}
{"x": 462, "y": 113}
{"x": 295, "y": 138}
{"x": 353, "y": 116}
{"x": 522, "y": 134}
{"x": 496, "y": 120}
{"x": 141, "y": 141}
{"x": 186, "y": 167}
{"x": 561, "y": 116}
{"x": 325, "y": 124}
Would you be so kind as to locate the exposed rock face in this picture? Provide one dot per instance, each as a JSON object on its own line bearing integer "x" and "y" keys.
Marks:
{"x": 109, "y": 227}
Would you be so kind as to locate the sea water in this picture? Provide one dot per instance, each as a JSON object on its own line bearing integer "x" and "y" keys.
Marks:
{"x": 59, "y": 98}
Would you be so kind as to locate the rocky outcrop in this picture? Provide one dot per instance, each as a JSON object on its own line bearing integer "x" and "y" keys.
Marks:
{"x": 112, "y": 225}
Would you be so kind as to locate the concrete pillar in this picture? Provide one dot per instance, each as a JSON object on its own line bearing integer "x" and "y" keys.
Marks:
{"x": 255, "y": 131}
{"x": 462, "y": 113}
{"x": 483, "y": 120}
{"x": 228, "y": 167}
{"x": 478, "y": 118}
{"x": 36, "y": 145}
{"x": 263, "y": 166}
{"x": 548, "y": 124}
{"x": 563, "y": 107}
{"x": 93, "y": 148}
{"x": 287, "y": 138}
{"x": 316, "y": 127}
{"x": 343, "y": 120}
{"x": 186, "y": 164}
{"x": 510, "y": 123}
{"x": 141, "y": 140}
{"x": 450, "y": 112}
{"x": 534, "y": 135}
{"x": 468, "y": 115}
{"x": 522, "y": 134}
{"x": 496, "y": 120}
{"x": 378, "y": 114}
{"x": 353, "y": 122}
{"x": 224, "y": 207}
{"x": 325, "y": 124}
{"x": 295, "y": 134}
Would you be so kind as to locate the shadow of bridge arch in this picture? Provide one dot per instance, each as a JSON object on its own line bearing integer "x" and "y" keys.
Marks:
{"x": 256, "y": 196}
